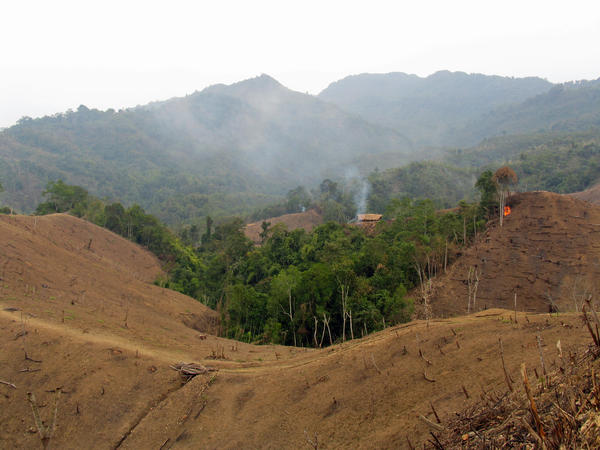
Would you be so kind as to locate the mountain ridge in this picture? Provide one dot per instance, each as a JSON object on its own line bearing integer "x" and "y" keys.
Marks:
{"x": 252, "y": 138}
{"x": 427, "y": 109}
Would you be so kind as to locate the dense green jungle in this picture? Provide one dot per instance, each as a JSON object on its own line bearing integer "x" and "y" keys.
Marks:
{"x": 183, "y": 176}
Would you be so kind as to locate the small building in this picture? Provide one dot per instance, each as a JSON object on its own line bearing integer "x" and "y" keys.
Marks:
{"x": 369, "y": 217}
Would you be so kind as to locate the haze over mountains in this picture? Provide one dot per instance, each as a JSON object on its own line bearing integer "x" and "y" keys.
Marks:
{"x": 457, "y": 109}
{"x": 277, "y": 133}
{"x": 228, "y": 149}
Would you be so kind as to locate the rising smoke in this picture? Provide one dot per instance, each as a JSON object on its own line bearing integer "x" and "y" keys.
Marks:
{"x": 360, "y": 187}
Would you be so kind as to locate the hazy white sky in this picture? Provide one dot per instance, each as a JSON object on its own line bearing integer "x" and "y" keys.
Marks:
{"x": 114, "y": 54}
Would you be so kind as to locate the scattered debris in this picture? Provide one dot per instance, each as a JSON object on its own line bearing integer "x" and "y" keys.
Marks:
{"x": 560, "y": 412}
{"x": 192, "y": 369}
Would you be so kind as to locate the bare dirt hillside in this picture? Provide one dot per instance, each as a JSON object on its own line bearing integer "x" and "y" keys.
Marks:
{"x": 307, "y": 220}
{"x": 591, "y": 195}
{"x": 547, "y": 253}
{"x": 110, "y": 351}
{"x": 101, "y": 330}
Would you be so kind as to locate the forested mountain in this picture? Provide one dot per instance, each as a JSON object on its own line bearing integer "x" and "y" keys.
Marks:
{"x": 227, "y": 149}
{"x": 284, "y": 135}
{"x": 561, "y": 162}
{"x": 429, "y": 110}
{"x": 567, "y": 107}
{"x": 238, "y": 149}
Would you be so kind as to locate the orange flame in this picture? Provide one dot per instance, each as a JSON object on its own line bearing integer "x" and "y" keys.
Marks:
{"x": 506, "y": 210}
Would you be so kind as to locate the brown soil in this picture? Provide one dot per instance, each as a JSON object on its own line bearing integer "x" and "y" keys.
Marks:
{"x": 547, "y": 252}
{"x": 110, "y": 351}
{"x": 306, "y": 220}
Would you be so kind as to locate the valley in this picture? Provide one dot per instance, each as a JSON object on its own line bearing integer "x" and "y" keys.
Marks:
{"x": 95, "y": 326}
{"x": 194, "y": 273}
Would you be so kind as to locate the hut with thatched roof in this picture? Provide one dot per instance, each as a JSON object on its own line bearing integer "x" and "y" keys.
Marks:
{"x": 369, "y": 217}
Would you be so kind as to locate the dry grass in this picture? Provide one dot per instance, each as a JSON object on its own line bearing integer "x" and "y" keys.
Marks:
{"x": 560, "y": 412}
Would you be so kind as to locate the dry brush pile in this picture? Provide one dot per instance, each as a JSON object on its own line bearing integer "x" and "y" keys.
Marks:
{"x": 555, "y": 410}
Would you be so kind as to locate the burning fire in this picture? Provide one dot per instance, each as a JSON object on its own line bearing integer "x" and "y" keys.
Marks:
{"x": 506, "y": 210}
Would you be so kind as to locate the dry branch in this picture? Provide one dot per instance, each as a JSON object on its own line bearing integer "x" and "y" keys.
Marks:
{"x": 428, "y": 379}
{"x": 428, "y": 422}
{"x": 23, "y": 333}
{"x": 45, "y": 432}
{"x": 465, "y": 391}
{"x": 567, "y": 410}
{"x": 506, "y": 376}
{"x": 7, "y": 383}
{"x": 435, "y": 413}
{"x": 534, "y": 410}
{"x": 373, "y": 358}
{"x": 314, "y": 444}
{"x": 533, "y": 433}
{"x": 192, "y": 369}
{"x": 539, "y": 338}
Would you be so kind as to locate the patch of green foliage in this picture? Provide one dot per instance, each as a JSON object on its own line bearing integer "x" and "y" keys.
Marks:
{"x": 313, "y": 288}
{"x": 298, "y": 288}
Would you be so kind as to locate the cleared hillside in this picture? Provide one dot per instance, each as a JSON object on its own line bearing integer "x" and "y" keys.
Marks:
{"x": 591, "y": 195}
{"x": 306, "y": 220}
{"x": 111, "y": 349}
{"x": 547, "y": 253}
{"x": 99, "y": 327}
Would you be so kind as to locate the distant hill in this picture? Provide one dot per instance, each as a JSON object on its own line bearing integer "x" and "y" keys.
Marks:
{"x": 224, "y": 150}
{"x": 284, "y": 135}
{"x": 233, "y": 150}
{"x": 429, "y": 110}
{"x": 561, "y": 162}
{"x": 591, "y": 195}
{"x": 563, "y": 108}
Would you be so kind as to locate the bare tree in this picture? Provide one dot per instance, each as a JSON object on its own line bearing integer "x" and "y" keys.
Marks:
{"x": 505, "y": 177}
{"x": 582, "y": 290}
{"x": 472, "y": 283}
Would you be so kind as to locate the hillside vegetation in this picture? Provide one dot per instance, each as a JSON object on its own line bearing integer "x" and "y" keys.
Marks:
{"x": 565, "y": 107}
{"x": 429, "y": 110}
{"x": 562, "y": 162}
{"x": 223, "y": 151}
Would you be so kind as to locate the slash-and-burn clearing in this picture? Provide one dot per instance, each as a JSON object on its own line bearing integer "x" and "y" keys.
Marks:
{"x": 78, "y": 311}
